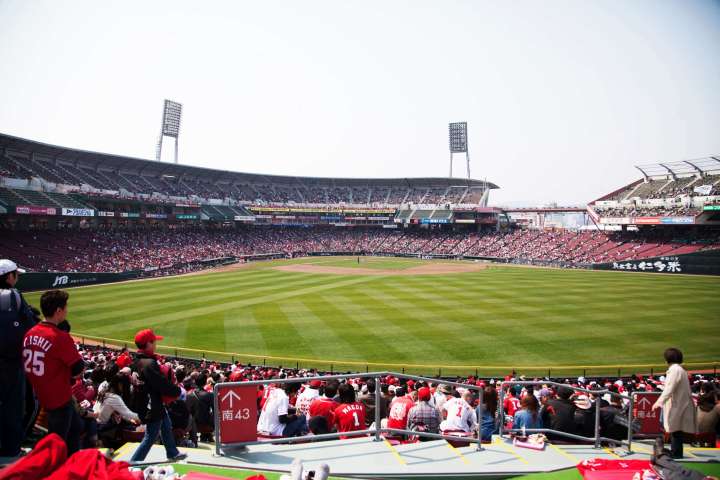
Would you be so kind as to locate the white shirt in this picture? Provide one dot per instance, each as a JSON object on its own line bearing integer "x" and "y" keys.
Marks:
{"x": 460, "y": 416}
{"x": 276, "y": 405}
{"x": 113, "y": 404}
{"x": 302, "y": 404}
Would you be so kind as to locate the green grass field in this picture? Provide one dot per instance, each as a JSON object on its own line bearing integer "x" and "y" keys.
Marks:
{"x": 493, "y": 320}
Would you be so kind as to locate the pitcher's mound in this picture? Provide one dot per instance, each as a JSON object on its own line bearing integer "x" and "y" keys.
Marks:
{"x": 429, "y": 269}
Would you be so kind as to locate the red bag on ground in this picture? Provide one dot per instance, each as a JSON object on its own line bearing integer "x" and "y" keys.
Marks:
{"x": 47, "y": 456}
{"x": 90, "y": 464}
{"x": 602, "y": 469}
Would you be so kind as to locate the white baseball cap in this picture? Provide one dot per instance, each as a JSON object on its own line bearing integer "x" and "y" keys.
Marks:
{"x": 7, "y": 266}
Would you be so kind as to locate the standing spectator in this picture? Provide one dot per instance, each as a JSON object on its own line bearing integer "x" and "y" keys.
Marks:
{"x": 676, "y": 402}
{"x": 201, "y": 405}
{"x": 350, "y": 415}
{"x": 424, "y": 417}
{"x": 16, "y": 318}
{"x": 529, "y": 414}
{"x": 154, "y": 386}
{"x": 51, "y": 361}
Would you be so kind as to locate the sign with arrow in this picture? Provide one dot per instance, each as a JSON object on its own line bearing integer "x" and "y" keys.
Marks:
{"x": 237, "y": 413}
{"x": 642, "y": 410}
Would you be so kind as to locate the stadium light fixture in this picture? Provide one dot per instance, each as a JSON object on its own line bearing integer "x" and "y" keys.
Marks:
{"x": 172, "y": 113}
{"x": 458, "y": 140}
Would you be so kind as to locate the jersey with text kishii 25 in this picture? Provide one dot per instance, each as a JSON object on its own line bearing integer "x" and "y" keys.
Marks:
{"x": 48, "y": 355}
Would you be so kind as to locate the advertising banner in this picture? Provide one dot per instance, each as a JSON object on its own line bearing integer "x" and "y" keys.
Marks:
{"x": 45, "y": 281}
{"x": 186, "y": 216}
{"x": 105, "y": 214}
{"x": 710, "y": 208}
{"x": 699, "y": 263}
{"x": 426, "y": 221}
{"x": 129, "y": 215}
{"x": 155, "y": 215}
{"x": 646, "y": 220}
{"x": 677, "y": 220}
{"x": 78, "y": 212}
{"x": 244, "y": 218}
{"x": 615, "y": 220}
{"x": 32, "y": 210}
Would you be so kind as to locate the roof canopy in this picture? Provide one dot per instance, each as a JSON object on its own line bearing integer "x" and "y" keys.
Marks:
{"x": 104, "y": 161}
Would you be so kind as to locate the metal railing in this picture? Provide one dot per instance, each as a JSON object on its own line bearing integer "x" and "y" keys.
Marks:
{"x": 596, "y": 438}
{"x": 378, "y": 431}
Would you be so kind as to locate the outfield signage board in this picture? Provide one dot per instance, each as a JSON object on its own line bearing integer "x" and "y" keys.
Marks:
{"x": 45, "y": 281}
{"x": 32, "y": 210}
{"x": 615, "y": 220}
{"x": 237, "y": 413}
{"x": 646, "y": 220}
{"x": 710, "y": 208}
{"x": 244, "y": 218}
{"x": 464, "y": 220}
{"x": 129, "y": 215}
{"x": 426, "y": 221}
{"x": 105, "y": 214}
{"x": 677, "y": 220}
{"x": 186, "y": 216}
{"x": 155, "y": 215}
{"x": 78, "y": 212}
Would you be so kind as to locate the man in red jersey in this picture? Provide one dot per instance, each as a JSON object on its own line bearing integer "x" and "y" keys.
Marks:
{"x": 350, "y": 415}
{"x": 399, "y": 409}
{"x": 321, "y": 413}
{"x": 51, "y": 360}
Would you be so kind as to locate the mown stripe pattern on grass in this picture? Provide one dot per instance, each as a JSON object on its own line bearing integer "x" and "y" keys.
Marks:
{"x": 500, "y": 316}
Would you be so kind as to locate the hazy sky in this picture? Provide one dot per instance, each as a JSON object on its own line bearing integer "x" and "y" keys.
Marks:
{"x": 562, "y": 97}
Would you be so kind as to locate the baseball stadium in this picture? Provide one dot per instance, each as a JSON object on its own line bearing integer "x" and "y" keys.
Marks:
{"x": 162, "y": 320}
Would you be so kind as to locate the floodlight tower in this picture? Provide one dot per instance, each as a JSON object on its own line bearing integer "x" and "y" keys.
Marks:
{"x": 170, "y": 126}
{"x": 459, "y": 143}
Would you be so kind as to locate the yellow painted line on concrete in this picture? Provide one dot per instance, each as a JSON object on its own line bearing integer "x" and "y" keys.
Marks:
{"x": 510, "y": 450}
{"x": 610, "y": 452}
{"x": 565, "y": 454}
{"x": 459, "y": 453}
{"x": 394, "y": 452}
{"x": 702, "y": 448}
{"x": 122, "y": 450}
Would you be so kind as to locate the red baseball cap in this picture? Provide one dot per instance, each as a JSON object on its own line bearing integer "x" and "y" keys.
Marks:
{"x": 315, "y": 383}
{"x": 424, "y": 393}
{"x": 145, "y": 336}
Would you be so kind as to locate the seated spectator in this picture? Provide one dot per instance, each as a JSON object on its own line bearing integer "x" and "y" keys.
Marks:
{"x": 609, "y": 427}
{"x": 367, "y": 398}
{"x": 200, "y": 404}
{"x": 708, "y": 409}
{"x": 423, "y": 417}
{"x": 111, "y": 412}
{"x": 305, "y": 398}
{"x": 350, "y": 414}
{"x": 529, "y": 414}
{"x": 562, "y": 413}
{"x": 324, "y": 406}
{"x": 459, "y": 415}
{"x": 488, "y": 421}
{"x": 278, "y": 418}
{"x": 399, "y": 409}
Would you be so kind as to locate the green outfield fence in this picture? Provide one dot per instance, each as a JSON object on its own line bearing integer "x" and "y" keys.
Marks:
{"x": 332, "y": 366}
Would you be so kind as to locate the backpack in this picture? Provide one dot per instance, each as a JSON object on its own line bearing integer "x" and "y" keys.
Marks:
{"x": 12, "y": 326}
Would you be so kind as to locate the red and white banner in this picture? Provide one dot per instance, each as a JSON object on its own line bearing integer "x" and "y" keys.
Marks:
{"x": 237, "y": 412}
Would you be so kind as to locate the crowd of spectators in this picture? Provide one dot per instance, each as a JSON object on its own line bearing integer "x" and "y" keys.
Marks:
{"x": 641, "y": 211}
{"x": 161, "y": 249}
{"x": 106, "y": 396}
